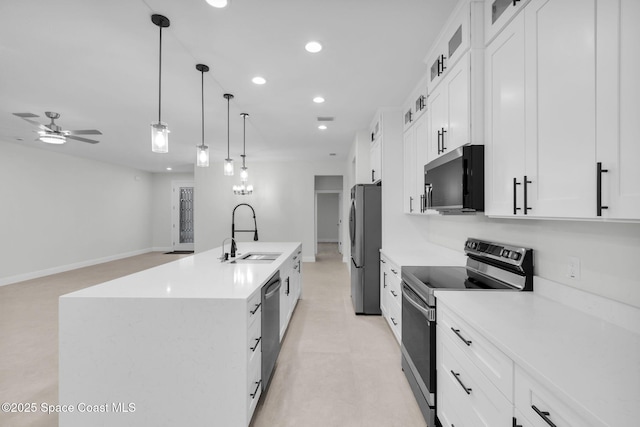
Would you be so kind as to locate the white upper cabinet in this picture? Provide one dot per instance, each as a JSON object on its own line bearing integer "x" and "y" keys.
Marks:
{"x": 618, "y": 114}
{"x": 498, "y": 13}
{"x": 505, "y": 120}
{"x": 561, "y": 107}
{"x": 375, "y": 156}
{"x": 409, "y": 171}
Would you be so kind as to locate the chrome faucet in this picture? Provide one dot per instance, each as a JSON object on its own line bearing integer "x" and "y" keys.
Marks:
{"x": 225, "y": 255}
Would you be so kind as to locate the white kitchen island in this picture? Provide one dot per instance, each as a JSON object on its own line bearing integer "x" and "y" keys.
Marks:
{"x": 177, "y": 344}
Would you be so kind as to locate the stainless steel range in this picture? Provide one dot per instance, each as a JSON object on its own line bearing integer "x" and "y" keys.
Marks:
{"x": 490, "y": 266}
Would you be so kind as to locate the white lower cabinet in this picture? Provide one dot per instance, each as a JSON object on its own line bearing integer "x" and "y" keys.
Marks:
{"x": 539, "y": 407}
{"x": 290, "y": 288}
{"x": 391, "y": 295}
{"x": 466, "y": 397}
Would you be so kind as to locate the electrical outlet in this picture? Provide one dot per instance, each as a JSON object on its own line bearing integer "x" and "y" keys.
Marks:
{"x": 573, "y": 268}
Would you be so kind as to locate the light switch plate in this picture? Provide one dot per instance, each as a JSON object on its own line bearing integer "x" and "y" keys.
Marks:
{"x": 573, "y": 268}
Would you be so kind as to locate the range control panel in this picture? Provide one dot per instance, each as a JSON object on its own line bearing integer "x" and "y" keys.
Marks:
{"x": 516, "y": 256}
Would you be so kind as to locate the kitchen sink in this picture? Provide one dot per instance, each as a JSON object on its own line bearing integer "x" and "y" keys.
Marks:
{"x": 257, "y": 257}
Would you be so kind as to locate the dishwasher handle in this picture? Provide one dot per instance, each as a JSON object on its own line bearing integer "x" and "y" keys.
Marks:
{"x": 273, "y": 288}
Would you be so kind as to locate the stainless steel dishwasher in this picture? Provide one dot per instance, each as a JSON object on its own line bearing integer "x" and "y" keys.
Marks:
{"x": 270, "y": 327}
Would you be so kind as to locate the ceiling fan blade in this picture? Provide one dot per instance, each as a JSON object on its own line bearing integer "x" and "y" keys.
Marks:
{"x": 26, "y": 116}
{"x": 83, "y": 132}
{"x": 77, "y": 138}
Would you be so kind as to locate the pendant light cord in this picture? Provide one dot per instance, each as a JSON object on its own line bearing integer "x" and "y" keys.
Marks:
{"x": 202, "y": 72}
{"x": 160, "y": 78}
{"x": 228, "y": 102}
{"x": 244, "y": 138}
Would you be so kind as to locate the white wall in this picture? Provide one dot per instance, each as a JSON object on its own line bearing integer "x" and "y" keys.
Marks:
{"x": 284, "y": 201}
{"x": 161, "y": 206}
{"x": 328, "y": 217}
{"x": 608, "y": 252}
{"x": 60, "y": 212}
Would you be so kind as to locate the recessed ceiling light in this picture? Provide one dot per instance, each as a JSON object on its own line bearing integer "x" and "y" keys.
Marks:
{"x": 259, "y": 80}
{"x": 318, "y": 100}
{"x": 313, "y": 47}
{"x": 169, "y": 169}
{"x": 219, "y": 3}
{"x": 322, "y": 127}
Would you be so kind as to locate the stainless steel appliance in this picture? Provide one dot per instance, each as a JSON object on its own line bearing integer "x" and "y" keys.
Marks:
{"x": 270, "y": 327}
{"x": 365, "y": 231}
{"x": 454, "y": 182}
{"x": 490, "y": 266}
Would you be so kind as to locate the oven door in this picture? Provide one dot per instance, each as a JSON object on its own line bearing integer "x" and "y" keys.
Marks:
{"x": 419, "y": 340}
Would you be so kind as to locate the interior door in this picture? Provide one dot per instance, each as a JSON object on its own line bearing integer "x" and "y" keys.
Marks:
{"x": 182, "y": 224}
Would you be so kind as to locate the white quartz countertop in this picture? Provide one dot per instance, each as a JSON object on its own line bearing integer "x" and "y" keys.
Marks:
{"x": 427, "y": 254}
{"x": 585, "y": 360}
{"x": 198, "y": 276}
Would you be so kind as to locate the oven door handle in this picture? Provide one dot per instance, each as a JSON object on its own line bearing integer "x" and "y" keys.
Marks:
{"x": 430, "y": 313}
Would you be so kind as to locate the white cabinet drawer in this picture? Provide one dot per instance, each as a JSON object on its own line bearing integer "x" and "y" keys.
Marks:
{"x": 254, "y": 344}
{"x": 466, "y": 389}
{"x": 395, "y": 320}
{"x": 492, "y": 362}
{"x": 254, "y": 307}
{"x": 536, "y": 403}
{"x": 254, "y": 387}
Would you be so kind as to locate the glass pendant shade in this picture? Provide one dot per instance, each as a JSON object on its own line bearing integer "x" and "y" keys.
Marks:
{"x": 228, "y": 167}
{"x": 159, "y": 137}
{"x": 244, "y": 175}
{"x": 202, "y": 159}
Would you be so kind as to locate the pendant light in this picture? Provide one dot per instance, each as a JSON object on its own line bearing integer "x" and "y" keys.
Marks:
{"x": 202, "y": 154}
{"x": 228, "y": 162}
{"x": 243, "y": 188}
{"x": 159, "y": 129}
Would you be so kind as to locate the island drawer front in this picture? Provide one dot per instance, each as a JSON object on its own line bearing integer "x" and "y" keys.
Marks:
{"x": 468, "y": 387}
{"x": 487, "y": 357}
{"x": 254, "y": 387}
{"x": 254, "y": 308}
{"x": 530, "y": 393}
{"x": 254, "y": 345}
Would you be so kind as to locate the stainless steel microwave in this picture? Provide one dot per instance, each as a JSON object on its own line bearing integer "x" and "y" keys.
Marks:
{"x": 454, "y": 182}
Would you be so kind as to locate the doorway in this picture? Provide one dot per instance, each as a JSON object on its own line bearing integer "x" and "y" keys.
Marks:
{"x": 182, "y": 225}
{"x": 328, "y": 212}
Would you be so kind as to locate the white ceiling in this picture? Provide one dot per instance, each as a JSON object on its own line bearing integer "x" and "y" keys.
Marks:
{"x": 96, "y": 63}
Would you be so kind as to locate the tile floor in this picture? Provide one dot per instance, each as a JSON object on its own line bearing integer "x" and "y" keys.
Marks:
{"x": 334, "y": 369}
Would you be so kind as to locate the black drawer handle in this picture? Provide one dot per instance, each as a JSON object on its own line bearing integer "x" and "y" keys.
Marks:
{"x": 525, "y": 182}
{"x": 384, "y": 280}
{"x": 256, "y": 390}
{"x": 515, "y": 186}
{"x": 394, "y": 294}
{"x": 256, "y": 346}
{"x": 544, "y": 415}
{"x": 599, "y": 206}
{"x": 394, "y": 321}
{"x": 255, "y": 310}
{"x": 393, "y": 271}
{"x": 456, "y": 376}
{"x": 515, "y": 423}
{"x": 457, "y": 332}
{"x": 383, "y": 261}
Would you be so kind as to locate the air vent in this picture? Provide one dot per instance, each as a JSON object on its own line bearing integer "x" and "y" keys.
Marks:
{"x": 326, "y": 119}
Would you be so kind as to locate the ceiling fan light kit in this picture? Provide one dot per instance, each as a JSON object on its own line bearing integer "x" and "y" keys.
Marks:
{"x": 52, "y": 138}
{"x": 159, "y": 129}
{"x": 54, "y": 134}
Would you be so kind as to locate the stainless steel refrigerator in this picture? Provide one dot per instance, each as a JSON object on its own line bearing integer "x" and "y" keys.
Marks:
{"x": 365, "y": 231}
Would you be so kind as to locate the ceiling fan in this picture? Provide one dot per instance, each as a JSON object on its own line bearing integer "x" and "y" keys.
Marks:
{"x": 54, "y": 134}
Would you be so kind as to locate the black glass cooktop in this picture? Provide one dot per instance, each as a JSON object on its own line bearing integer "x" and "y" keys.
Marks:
{"x": 446, "y": 278}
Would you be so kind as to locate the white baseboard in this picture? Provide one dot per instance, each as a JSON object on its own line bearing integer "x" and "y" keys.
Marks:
{"x": 61, "y": 269}
{"x": 327, "y": 241}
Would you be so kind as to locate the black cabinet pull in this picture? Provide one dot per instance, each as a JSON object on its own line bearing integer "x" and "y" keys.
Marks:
{"x": 515, "y": 185}
{"x": 456, "y": 376}
{"x": 255, "y": 310}
{"x": 393, "y": 271}
{"x": 410, "y": 204}
{"x": 394, "y": 321}
{"x": 255, "y": 346}
{"x": 384, "y": 280}
{"x": 515, "y": 423}
{"x": 544, "y": 415}
{"x": 394, "y": 294}
{"x": 421, "y": 203}
{"x": 526, "y": 208}
{"x": 457, "y": 332}
{"x": 441, "y": 66}
{"x": 443, "y": 132}
{"x": 439, "y": 135}
{"x": 256, "y": 390}
{"x": 599, "y": 173}
{"x": 287, "y": 291}
{"x": 383, "y": 261}
{"x": 515, "y": 1}
{"x": 373, "y": 175}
